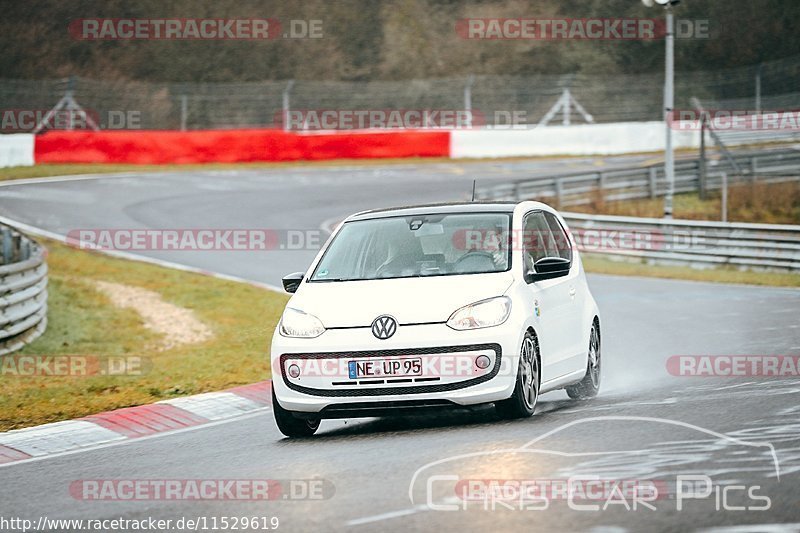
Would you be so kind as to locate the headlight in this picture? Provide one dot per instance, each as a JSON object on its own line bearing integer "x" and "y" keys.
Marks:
{"x": 483, "y": 314}
{"x": 296, "y": 323}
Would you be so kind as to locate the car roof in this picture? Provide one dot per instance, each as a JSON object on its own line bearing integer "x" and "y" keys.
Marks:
{"x": 429, "y": 209}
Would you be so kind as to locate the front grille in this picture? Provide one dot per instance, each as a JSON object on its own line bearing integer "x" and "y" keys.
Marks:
{"x": 412, "y": 388}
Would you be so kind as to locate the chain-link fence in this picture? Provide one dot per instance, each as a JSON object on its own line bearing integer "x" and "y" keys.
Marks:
{"x": 607, "y": 98}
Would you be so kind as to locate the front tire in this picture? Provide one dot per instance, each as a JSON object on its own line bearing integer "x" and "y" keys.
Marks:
{"x": 589, "y": 386}
{"x": 522, "y": 403}
{"x": 290, "y": 425}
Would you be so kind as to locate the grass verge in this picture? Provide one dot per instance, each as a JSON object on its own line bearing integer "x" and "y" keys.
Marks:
{"x": 593, "y": 263}
{"x": 82, "y": 322}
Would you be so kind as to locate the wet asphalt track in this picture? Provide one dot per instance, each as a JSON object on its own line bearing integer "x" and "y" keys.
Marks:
{"x": 644, "y": 425}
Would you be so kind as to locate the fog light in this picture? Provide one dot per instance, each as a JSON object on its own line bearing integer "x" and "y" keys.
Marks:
{"x": 482, "y": 362}
{"x": 294, "y": 371}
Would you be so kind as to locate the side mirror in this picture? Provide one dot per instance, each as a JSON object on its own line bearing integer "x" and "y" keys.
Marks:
{"x": 548, "y": 268}
{"x": 292, "y": 281}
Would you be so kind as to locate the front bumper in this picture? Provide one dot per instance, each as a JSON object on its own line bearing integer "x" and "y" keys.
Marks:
{"x": 449, "y": 372}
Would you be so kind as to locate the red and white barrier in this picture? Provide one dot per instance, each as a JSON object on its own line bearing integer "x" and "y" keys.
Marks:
{"x": 233, "y": 146}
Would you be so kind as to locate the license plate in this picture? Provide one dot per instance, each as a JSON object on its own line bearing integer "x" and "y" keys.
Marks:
{"x": 370, "y": 368}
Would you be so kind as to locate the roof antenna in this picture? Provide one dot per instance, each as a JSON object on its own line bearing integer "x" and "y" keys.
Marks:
{"x": 473, "y": 189}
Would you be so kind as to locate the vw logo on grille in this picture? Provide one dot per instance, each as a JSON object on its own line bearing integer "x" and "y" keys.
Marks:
{"x": 384, "y": 327}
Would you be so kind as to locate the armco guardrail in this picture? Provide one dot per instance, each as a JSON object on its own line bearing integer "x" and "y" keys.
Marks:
{"x": 695, "y": 242}
{"x": 760, "y": 246}
{"x": 23, "y": 290}
{"x": 627, "y": 183}
{"x": 739, "y": 137}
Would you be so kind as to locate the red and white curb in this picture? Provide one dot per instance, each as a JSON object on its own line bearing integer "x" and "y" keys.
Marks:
{"x": 133, "y": 422}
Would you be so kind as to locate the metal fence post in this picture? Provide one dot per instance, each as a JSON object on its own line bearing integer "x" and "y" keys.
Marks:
{"x": 758, "y": 87}
{"x": 559, "y": 191}
{"x": 601, "y": 184}
{"x": 701, "y": 162}
{"x": 653, "y": 173}
{"x": 753, "y": 169}
{"x": 286, "y": 92}
{"x": 468, "y": 99}
{"x": 669, "y": 104}
{"x": 724, "y": 196}
{"x": 184, "y": 111}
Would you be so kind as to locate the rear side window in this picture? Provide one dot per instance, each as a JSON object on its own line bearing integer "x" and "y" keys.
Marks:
{"x": 562, "y": 244}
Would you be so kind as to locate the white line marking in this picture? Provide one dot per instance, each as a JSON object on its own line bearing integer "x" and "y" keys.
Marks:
{"x": 762, "y": 528}
{"x": 402, "y": 512}
{"x": 726, "y": 387}
{"x": 77, "y": 177}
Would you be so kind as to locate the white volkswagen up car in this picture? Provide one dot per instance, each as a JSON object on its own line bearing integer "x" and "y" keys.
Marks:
{"x": 436, "y": 306}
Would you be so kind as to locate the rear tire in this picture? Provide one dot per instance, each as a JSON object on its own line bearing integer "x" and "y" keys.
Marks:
{"x": 290, "y": 425}
{"x": 589, "y": 386}
{"x": 522, "y": 403}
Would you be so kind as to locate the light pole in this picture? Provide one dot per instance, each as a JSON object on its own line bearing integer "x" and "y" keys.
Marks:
{"x": 669, "y": 103}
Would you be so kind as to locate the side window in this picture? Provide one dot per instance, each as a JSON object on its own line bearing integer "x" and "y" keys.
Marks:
{"x": 537, "y": 239}
{"x": 561, "y": 238}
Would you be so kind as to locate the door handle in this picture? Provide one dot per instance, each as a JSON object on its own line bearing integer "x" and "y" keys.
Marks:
{"x": 572, "y": 292}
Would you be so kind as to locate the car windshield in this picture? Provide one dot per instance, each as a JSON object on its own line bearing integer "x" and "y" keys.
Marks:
{"x": 416, "y": 246}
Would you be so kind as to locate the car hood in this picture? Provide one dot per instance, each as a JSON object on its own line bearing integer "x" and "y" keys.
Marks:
{"x": 409, "y": 300}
